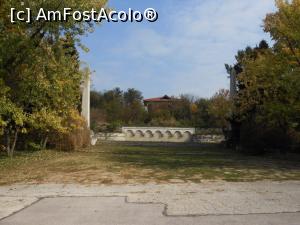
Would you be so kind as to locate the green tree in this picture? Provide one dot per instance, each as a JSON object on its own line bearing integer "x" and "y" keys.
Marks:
{"x": 39, "y": 68}
{"x": 202, "y": 117}
{"x": 268, "y": 99}
{"x": 134, "y": 111}
{"x": 114, "y": 105}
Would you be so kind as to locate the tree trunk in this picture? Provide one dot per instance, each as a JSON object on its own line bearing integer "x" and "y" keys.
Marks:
{"x": 44, "y": 145}
{"x": 10, "y": 147}
{"x": 7, "y": 134}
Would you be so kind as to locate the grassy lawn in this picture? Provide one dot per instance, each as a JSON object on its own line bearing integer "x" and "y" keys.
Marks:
{"x": 117, "y": 164}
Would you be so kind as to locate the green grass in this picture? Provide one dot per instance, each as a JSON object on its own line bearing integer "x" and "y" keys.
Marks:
{"x": 120, "y": 164}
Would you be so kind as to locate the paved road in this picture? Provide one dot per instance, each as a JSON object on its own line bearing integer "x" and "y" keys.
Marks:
{"x": 261, "y": 203}
{"x": 115, "y": 211}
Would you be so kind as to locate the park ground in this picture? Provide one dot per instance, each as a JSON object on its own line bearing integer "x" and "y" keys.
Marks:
{"x": 125, "y": 164}
{"x": 113, "y": 184}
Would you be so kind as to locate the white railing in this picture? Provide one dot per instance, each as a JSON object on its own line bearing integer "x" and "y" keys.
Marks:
{"x": 159, "y": 134}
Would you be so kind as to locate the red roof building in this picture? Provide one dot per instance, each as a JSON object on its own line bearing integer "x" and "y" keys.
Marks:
{"x": 163, "y": 102}
{"x": 165, "y": 98}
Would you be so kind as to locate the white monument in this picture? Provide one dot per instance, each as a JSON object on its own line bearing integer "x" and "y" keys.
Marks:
{"x": 85, "y": 105}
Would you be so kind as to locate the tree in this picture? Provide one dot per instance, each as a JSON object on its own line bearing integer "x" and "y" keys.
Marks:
{"x": 37, "y": 89}
{"x": 114, "y": 104}
{"x": 132, "y": 95}
{"x": 97, "y": 100}
{"x": 219, "y": 108}
{"x": 268, "y": 98}
{"x": 202, "y": 118}
{"x": 117, "y": 107}
{"x": 283, "y": 26}
{"x": 134, "y": 111}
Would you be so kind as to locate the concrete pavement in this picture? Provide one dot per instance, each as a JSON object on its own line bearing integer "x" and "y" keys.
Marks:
{"x": 208, "y": 203}
{"x": 115, "y": 211}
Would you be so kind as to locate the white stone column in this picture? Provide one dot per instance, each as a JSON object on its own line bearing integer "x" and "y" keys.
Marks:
{"x": 85, "y": 105}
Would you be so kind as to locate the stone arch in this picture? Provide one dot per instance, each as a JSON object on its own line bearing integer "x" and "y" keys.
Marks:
{"x": 187, "y": 135}
{"x": 139, "y": 134}
{"x": 178, "y": 135}
{"x": 129, "y": 133}
{"x": 158, "y": 134}
{"x": 169, "y": 134}
{"x": 149, "y": 134}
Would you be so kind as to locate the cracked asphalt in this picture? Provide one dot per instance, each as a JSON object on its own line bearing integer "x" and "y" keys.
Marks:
{"x": 207, "y": 203}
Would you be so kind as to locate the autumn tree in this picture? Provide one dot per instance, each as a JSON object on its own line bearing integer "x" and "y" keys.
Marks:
{"x": 219, "y": 108}
{"x": 39, "y": 70}
{"x": 268, "y": 98}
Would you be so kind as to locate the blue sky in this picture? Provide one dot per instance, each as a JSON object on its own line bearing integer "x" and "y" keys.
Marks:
{"x": 183, "y": 52}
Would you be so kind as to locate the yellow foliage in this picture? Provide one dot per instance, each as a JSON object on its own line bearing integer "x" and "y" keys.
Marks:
{"x": 194, "y": 108}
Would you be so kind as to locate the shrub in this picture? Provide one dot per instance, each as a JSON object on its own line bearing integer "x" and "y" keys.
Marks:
{"x": 295, "y": 143}
{"x": 78, "y": 136}
{"x": 257, "y": 138}
{"x": 76, "y": 139}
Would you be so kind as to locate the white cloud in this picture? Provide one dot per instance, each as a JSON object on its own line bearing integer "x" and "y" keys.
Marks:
{"x": 188, "y": 56}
